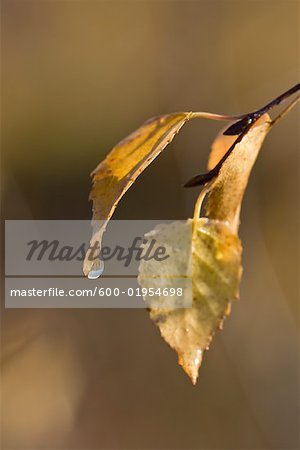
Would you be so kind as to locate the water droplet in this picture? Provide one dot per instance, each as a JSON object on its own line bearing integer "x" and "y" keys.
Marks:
{"x": 96, "y": 270}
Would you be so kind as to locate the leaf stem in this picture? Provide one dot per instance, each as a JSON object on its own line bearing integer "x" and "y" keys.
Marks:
{"x": 198, "y": 205}
{"x": 213, "y": 116}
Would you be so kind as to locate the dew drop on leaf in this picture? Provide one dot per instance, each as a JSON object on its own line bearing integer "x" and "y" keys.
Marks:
{"x": 96, "y": 270}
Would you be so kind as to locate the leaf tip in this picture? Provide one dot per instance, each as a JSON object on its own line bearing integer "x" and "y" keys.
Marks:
{"x": 191, "y": 363}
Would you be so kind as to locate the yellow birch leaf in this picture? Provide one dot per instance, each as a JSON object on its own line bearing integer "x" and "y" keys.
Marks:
{"x": 114, "y": 176}
{"x": 213, "y": 253}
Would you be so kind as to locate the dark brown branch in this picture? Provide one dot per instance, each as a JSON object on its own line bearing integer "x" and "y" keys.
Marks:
{"x": 240, "y": 128}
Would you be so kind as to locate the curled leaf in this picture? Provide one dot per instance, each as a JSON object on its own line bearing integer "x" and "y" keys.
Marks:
{"x": 226, "y": 191}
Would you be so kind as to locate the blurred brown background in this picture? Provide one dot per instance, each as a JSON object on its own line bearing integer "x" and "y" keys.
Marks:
{"x": 77, "y": 76}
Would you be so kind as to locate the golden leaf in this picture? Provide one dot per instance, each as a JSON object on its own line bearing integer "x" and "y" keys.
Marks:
{"x": 114, "y": 176}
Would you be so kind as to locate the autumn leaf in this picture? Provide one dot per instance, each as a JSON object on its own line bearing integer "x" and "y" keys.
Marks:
{"x": 204, "y": 261}
{"x": 113, "y": 176}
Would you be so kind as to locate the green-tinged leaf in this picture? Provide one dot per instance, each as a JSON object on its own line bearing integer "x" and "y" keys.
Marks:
{"x": 205, "y": 261}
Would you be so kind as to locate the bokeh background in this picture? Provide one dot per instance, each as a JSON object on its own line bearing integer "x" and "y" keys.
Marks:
{"x": 78, "y": 76}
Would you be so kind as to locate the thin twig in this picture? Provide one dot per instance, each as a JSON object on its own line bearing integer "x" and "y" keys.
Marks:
{"x": 245, "y": 124}
{"x": 286, "y": 110}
